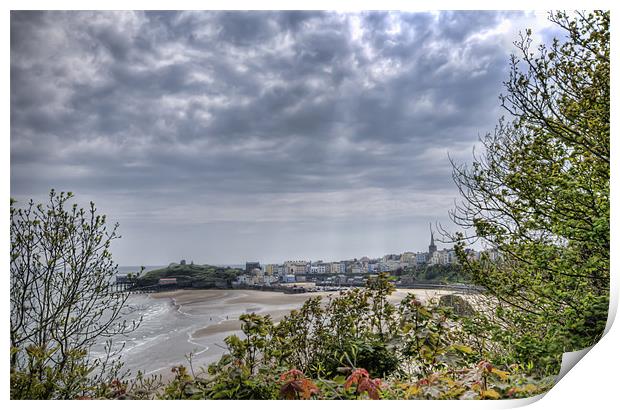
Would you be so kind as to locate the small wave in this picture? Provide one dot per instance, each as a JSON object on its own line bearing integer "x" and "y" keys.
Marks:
{"x": 190, "y": 339}
{"x": 180, "y": 310}
{"x": 156, "y": 370}
{"x": 158, "y": 309}
{"x": 142, "y": 343}
{"x": 178, "y": 307}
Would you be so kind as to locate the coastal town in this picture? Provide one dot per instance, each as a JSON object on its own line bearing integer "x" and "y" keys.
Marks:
{"x": 350, "y": 272}
{"x": 434, "y": 268}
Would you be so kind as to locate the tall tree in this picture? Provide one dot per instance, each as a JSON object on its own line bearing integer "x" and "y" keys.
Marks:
{"x": 61, "y": 298}
{"x": 539, "y": 193}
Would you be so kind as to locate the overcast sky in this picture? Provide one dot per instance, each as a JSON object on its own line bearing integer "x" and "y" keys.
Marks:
{"x": 224, "y": 137}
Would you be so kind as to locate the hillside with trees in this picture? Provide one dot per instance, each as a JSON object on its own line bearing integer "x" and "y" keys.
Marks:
{"x": 191, "y": 275}
{"x": 445, "y": 274}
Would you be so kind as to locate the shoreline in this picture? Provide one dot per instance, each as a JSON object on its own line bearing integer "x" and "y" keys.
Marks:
{"x": 243, "y": 301}
{"x": 198, "y": 321}
{"x": 275, "y": 304}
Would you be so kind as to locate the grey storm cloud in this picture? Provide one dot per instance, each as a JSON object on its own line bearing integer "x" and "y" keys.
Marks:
{"x": 190, "y": 118}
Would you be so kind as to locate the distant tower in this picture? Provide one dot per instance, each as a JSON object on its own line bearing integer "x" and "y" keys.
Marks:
{"x": 431, "y": 248}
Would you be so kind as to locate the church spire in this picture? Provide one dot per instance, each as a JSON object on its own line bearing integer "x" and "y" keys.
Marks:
{"x": 431, "y": 248}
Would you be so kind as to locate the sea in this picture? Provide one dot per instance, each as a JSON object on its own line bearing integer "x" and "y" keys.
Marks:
{"x": 163, "y": 338}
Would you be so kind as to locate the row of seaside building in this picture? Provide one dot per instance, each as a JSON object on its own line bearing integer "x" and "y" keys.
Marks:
{"x": 300, "y": 271}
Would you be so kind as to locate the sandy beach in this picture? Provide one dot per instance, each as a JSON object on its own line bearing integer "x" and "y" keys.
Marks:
{"x": 275, "y": 304}
{"x": 196, "y": 321}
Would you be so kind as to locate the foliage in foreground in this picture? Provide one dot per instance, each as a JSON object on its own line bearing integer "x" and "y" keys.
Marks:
{"x": 356, "y": 345}
{"x": 359, "y": 345}
{"x": 61, "y": 301}
{"x": 539, "y": 195}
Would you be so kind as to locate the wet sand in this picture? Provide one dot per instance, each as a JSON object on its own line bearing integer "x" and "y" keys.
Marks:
{"x": 177, "y": 323}
{"x": 236, "y": 296}
{"x": 275, "y": 304}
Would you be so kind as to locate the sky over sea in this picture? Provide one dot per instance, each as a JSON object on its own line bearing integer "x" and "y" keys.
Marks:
{"x": 221, "y": 137}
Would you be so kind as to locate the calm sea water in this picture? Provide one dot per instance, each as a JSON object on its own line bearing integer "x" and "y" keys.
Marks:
{"x": 164, "y": 337}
